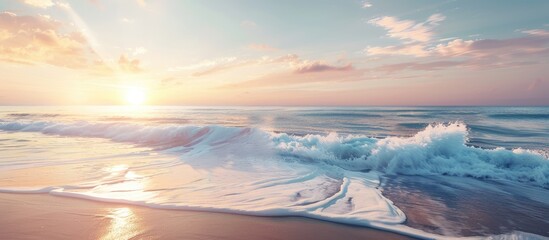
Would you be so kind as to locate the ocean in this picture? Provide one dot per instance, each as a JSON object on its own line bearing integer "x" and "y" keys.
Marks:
{"x": 428, "y": 172}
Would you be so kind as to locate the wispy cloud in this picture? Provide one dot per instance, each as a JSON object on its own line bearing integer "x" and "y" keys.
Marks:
{"x": 129, "y": 65}
{"x": 300, "y": 72}
{"x": 480, "y": 54}
{"x": 409, "y": 30}
{"x": 427, "y": 66}
{"x": 213, "y": 67}
{"x": 317, "y": 66}
{"x": 534, "y": 43}
{"x": 418, "y": 40}
{"x": 410, "y": 49}
{"x": 416, "y": 36}
{"x": 138, "y": 51}
{"x": 201, "y": 65}
{"x": 366, "y": 4}
{"x": 39, "y": 3}
{"x": 291, "y": 61}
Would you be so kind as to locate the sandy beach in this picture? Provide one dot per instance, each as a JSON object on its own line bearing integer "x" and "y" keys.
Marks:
{"x": 43, "y": 216}
{"x": 243, "y": 119}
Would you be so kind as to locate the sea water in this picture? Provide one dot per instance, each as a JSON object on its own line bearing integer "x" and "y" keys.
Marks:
{"x": 422, "y": 171}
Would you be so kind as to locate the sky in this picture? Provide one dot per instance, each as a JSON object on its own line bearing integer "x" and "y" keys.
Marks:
{"x": 283, "y": 52}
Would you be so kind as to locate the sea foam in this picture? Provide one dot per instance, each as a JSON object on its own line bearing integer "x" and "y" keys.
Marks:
{"x": 438, "y": 149}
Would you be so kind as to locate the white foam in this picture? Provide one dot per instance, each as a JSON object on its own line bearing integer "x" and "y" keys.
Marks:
{"x": 438, "y": 149}
{"x": 516, "y": 235}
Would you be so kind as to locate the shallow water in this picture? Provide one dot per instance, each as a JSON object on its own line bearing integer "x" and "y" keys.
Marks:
{"x": 468, "y": 207}
{"x": 441, "y": 167}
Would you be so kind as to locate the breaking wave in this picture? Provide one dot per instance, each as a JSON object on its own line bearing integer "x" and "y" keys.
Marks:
{"x": 437, "y": 149}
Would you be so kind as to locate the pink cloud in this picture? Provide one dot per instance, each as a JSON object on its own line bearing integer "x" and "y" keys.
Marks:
{"x": 38, "y": 3}
{"x": 218, "y": 67}
{"x": 291, "y": 60}
{"x": 474, "y": 54}
{"x": 310, "y": 67}
{"x": 33, "y": 39}
{"x": 537, "y": 32}
{"x": 128, "y": 64}
{"x": 429, "y": 66}
{"x": 411, "y": 49}
{"x": 535, "y": 42}
{"x": 407, "y": 29}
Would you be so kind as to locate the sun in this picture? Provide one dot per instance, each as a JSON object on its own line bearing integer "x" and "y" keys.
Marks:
{"x": 135, "y": 96}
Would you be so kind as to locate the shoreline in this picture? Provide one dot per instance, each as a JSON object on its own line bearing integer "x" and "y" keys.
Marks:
{"x": 45, "y": 216}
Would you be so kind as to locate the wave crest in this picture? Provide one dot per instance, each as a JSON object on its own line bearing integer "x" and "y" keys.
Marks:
{"x": 438, "y": 149}
{"x": 441, "y": 149}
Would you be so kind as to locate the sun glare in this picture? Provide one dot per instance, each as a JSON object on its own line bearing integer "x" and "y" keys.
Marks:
{"x": 135, "y": 96}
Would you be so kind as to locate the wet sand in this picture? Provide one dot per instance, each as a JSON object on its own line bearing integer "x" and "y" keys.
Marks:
{"x": 43, "y": 216}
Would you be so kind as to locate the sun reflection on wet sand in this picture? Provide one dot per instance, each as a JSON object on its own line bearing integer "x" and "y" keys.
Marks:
{"x": 123, "y": 224}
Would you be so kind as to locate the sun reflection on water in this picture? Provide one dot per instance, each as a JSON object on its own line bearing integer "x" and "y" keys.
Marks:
{"x": 123, "y": 183}
{"x": 123, "y": 224}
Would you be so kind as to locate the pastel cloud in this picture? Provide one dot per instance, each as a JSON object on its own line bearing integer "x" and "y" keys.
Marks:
{"x": 537, "y": 32}
{"x": 300, "y": 72}
{"x": 480, "y": 54}
{"x": 34, "y": 39}
{"x": 39, "y": 3}
{"x": 416, "y": 35}
{"x": 317, "y": 66}
{"x": 292, "y": 61}
{"x": 407, "y": 29}
{"x": 200, "y": 65}
{"x": 129, "y": 65}
{"x": 419, "y": 41}
{"x": 428, "y": 66}
{"x": 218, "y": 65}
{"x": 536, "y": 41}
{"x": 411, "y": 49}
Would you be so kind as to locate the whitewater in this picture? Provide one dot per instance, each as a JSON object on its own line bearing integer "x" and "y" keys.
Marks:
{"x": 327, "y": 164}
